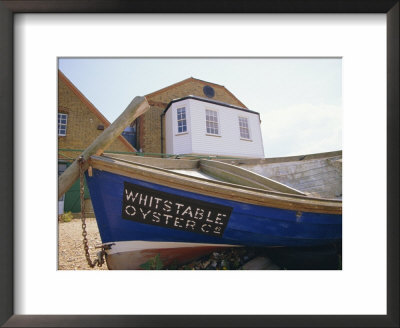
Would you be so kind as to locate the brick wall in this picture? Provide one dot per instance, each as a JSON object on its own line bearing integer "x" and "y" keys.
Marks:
{"x": 81, "y": 125}
{"x": 195, "y": 88}
{"x": 151, "y": 126}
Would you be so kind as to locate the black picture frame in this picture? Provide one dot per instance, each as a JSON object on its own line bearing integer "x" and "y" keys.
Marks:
{"x": 10, "y": 7}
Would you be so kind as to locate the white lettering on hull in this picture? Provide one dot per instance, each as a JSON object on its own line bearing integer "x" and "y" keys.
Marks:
{"x": 154, "y": 207}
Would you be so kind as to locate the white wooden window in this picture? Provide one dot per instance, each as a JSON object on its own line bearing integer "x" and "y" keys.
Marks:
{"x": 244, "y": 127}
{"x": 181, "y": 117}
{"x": 212, "y": 122}
{"x": 62, "y": 124}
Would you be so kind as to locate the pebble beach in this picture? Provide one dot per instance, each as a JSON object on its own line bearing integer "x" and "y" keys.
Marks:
{"x": 71, "y": 255}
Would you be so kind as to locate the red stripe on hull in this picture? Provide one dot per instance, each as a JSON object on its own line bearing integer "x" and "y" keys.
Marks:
{"x": 132, "y": 260}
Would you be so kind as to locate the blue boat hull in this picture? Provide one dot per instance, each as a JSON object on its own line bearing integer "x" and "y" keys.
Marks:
{"x": 127, "y": 209}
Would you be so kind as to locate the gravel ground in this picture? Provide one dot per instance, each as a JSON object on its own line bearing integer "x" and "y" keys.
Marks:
{"x": 71, "y": 255}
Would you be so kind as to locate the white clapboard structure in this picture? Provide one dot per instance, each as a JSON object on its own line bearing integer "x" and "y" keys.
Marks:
{"x": 200, "y": 126}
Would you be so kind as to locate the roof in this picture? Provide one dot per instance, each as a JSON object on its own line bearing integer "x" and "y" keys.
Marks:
{"x": 92, "y": 108}
{"x": 220, "y": 103}
{"x": 197, "y": 80}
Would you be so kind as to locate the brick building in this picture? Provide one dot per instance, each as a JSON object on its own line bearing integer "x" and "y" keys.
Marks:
{"x": 149, "y": 138}
{"x": 79, "y": 123}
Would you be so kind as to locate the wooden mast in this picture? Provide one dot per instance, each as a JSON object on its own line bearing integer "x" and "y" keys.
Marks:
{"x": 137, "y": 107}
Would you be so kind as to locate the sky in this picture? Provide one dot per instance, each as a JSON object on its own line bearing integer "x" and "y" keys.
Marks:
{"x": 299, "y": 99}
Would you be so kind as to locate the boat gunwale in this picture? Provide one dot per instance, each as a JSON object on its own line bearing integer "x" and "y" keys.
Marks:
{"x": 217, "y": 189}
{"x": 189, "y": 163}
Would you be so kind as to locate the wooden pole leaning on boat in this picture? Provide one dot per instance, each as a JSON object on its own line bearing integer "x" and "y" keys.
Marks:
{"x": 137, "y": 107}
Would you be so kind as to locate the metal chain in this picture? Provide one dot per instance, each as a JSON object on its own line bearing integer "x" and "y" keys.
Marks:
{"x": 100, "y": 256}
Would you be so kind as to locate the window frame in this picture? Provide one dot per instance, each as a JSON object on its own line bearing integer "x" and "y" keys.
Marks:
{"x": 244, "y": 127}
{"x": 62, "y": 126}
{"x": 214, "y": 122}
{"x": 181, "y": 120}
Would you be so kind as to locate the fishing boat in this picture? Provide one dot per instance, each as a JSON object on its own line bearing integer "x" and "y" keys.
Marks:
{"x": 179, "y": 208}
